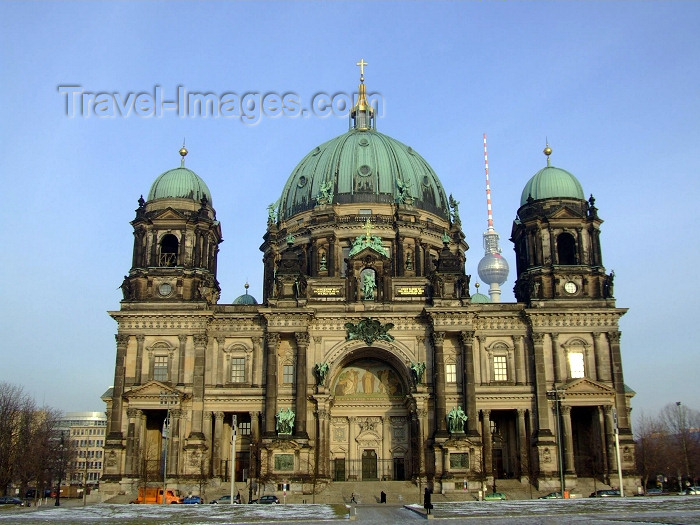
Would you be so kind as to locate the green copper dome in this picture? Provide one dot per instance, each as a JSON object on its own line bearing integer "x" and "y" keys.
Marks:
{"x": 479, "y": 298}
{"x": 362, "y": 166}
{"x": 246, "y": 299}
{"x": 179, "y": 183}
{"x": 551, "y": 182}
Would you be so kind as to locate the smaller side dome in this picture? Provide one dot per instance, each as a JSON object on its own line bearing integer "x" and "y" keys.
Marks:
{"x": 551, "y": 183}
{"x": 246, "y": 298}
{"x": 480, "y": 298}
{"x": 181, "y": 183}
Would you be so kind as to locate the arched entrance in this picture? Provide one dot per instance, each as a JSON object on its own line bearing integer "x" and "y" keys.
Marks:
{"x": 370, "y": 421}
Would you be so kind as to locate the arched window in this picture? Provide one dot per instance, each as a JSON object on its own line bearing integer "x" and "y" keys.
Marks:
{"x": 168, "y": 250}
{"x": 566, "y": 249}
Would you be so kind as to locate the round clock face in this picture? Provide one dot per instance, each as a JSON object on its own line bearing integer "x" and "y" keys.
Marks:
{"x": 570, "y": 287}
{"x": 165, "y": 289}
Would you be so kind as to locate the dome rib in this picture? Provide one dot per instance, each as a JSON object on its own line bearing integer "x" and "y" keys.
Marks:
{"x": 550, "y": 183}
{"x": 180, "y": 183}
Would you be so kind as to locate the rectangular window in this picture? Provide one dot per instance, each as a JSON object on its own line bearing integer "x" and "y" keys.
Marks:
{"x": 365, "y": 212}
{"x": 576, "y": 364}
{"x": 500, "y": 370}
{"x": 160, "y": 368}
{"x": 238, "y": 370}
{"x": 288, "y": 374}
{"x": 451, "y": 373}
{"x": 244, "y": 428}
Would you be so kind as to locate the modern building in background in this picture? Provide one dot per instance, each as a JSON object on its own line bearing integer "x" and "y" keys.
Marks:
{"x": 366, "y": 357}
{"x": 85, "y": 431}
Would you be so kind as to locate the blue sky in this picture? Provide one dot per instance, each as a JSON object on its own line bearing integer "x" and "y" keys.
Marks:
{"x": 612, "y": 86}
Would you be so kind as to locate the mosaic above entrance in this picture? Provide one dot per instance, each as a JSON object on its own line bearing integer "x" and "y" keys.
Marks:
{"x": 368, "y": 378}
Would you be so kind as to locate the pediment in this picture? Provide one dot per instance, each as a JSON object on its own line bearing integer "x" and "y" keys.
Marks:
{"x": 368, "y": 252}
{"x": 586, "y": 387}
{"x": 168, "y": 213}
{"x": 565, "y": 212}
{"x": 152, "y": 392}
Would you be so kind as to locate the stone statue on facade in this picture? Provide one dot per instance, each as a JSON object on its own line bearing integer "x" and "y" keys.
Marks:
{"x": 417, "y": 370}
{"x": 368, "y": 286}
{"x": 456, "y": 419}
{"x": 608, "y": 287}
{"x": 285, "y": 421}
{"x": 454, "y": 205}
{"x": 325, "y": 193}
{"x": 321, "y": 371}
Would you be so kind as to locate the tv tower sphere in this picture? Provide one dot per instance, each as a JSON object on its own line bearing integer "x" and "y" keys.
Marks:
{"x": 493, "y": 268}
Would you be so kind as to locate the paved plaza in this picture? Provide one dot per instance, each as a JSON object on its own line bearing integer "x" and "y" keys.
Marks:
{"x": 670, "y": 510}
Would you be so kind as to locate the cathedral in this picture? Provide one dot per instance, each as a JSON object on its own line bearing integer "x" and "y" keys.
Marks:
{"x": 371, "y": 355}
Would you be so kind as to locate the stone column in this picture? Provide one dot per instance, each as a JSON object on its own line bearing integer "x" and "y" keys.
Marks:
{"x": 302, "y": 339}
{"x": 569, "y": 466}
{"x": 556, "y": 358}
{"x": 220, "y": 342}
{"x": 208, "y": 438}
{"x": 352, "y": 448}
{"x": 273, "y": 340}
{"x": 182, "y": 339}
{"x": 331, "y": 263}
{"x": 254, "y": 444}
{"x": 524, "y": 446}
{"x": 132, "y": 460}
{"x": 603, "y": 441}
{"x": 217, "y": 444}
{"x": 200, "y": 343}
{"x": 488, "y": 443}
{"x": 154, "y": 250}
{"x": 174, "y": 446}
{"x": 386, "y": 442}
{"x": 520, "y": 367}
{"x": 541, "y": 387}
{"x": 255, "y": 375}
{"x": 140, "y": 338}
{"x": 610, "y": 440}
{"x": 115, "y": 425}
{"x": 483, "y": 361}
{"x": 602, "y": 358}
{"x": 440, "y": 401}
{"x": 469, "y": 381}
{"x": 322, "y": 440}
{"x": 623, "y": 423}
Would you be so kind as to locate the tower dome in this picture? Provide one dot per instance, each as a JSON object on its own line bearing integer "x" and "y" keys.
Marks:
{"x": 179, "y": 183}
{"x": 246, "y": 298}
{"x": 551, "y": 182}
{"x": 363, "y": 166}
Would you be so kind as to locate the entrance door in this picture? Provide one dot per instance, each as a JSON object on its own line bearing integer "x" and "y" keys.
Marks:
{"x": 339, "y": 470}
{"x": 399, "y": 469}
{"x": 369, "y": 465}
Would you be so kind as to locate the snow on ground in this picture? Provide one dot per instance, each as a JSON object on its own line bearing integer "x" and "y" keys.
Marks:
{"x": 107, "y": 514}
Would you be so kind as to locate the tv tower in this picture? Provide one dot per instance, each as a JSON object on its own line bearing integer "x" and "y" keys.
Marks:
{"x": 493, "y": 268}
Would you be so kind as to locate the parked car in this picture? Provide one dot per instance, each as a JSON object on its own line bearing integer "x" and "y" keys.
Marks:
{"x": 267, "y": 499}
{"x": 655, "y": 492}
{"x": 552, "y": 495}
{"x": 606, "y": 493}
{"x": 223, "y": 500}
{"x": 10, "y": 500}
{"x": 495, "y": 496}
{"x": 193, "y": 500}
{"x": 693, "y": 490}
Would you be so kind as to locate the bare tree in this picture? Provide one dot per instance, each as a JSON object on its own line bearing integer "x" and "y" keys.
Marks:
{"x": 682, "y": 423}
{"x": 652, "y": 447}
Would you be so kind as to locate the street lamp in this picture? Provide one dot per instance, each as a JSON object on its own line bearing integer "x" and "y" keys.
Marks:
{"x": 167, "y": 399}
{"x": 554, "y": 395}
{"x": 617, "y": 450}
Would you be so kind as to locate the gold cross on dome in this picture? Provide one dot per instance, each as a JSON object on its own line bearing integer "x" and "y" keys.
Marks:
{"x": 368, "y": 228}
{"x": 362, "y": 65}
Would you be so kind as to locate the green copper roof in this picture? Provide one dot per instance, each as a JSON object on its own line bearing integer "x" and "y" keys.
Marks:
{"x": 551, "y": 182}
{"x": 362, "y": 166}
{"x": 246, "y": 298}
{"x": 179, "y": 183}
{"x": 480, "y": 298}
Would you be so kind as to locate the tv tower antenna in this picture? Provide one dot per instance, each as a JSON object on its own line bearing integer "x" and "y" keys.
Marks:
{"x": 493, "y": 268}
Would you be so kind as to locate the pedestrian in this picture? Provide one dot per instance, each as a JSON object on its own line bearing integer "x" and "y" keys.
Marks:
{"x": 427, "y": 504}
{"x": 352, "y": 498}
{"x": 382, "y": 497}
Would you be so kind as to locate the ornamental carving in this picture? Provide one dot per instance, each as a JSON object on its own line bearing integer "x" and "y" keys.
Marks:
{"x": 369, "y": 330}
{"x": 368, "y": 423}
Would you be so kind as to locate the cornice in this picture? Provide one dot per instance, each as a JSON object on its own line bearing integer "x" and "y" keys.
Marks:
{"x": 578, "y": 319}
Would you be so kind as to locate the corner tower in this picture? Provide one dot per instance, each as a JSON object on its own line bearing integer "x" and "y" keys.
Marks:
{"x": 557, "y": 240}
{"x": 176, "y": 241}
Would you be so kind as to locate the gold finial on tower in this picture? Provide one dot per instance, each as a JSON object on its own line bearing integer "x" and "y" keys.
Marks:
{"x": 183, "y": 153}
{"x": 547, "y": 151}
{"x": 362, "y": 113}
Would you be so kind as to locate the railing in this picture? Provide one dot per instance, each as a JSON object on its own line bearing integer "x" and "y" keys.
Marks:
{"x": 377, "y": 470}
